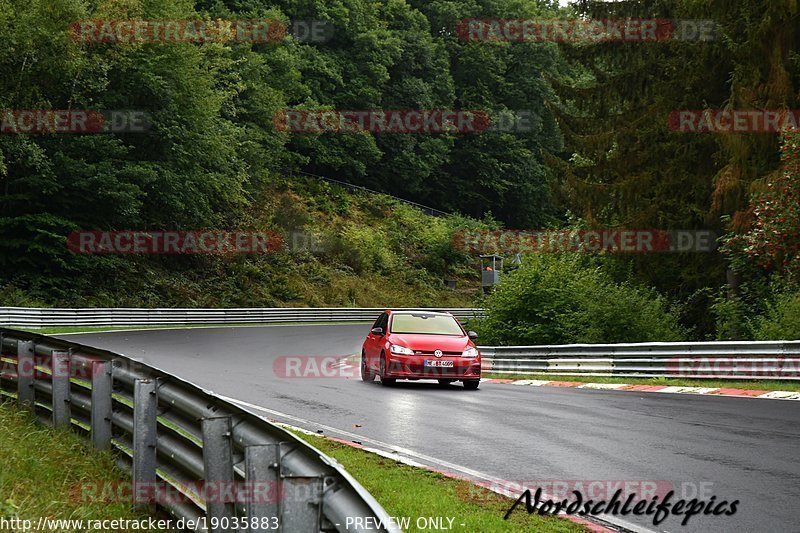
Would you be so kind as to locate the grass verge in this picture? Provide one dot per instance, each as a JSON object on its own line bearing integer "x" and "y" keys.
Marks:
{"x": 42, "y": 472}
{"x": 766, "y": 385}
{"x": 406, "y": 491}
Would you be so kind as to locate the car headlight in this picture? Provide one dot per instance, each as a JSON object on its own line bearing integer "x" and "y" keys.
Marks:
{"x": 470, "y": 352}
{"x": 401, "y": 350}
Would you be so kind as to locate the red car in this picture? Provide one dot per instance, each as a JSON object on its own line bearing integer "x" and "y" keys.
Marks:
{"x": 420, "y": 345}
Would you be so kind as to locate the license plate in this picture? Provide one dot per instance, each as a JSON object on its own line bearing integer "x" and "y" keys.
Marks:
{"x": 438, "y": 364}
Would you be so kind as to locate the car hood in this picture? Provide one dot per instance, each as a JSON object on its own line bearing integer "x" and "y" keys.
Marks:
{"x": 429, "y": 343}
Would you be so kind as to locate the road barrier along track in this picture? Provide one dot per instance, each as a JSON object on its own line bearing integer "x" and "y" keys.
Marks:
{"x": 120, "y": 317}
{"x": 709, "y": 360}
{"x": 725, "y": 359}
{"x": 190, "y": 452}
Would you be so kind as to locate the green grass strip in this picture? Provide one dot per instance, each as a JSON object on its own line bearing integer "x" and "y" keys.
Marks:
{"x": 416, "y": 493}
{"x": 45, "y": 470}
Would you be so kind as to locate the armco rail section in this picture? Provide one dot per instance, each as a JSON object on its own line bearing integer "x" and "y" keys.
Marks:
{"x": 735, "y": 359}
{"x": 50, "y": 317}
{"x": 185, "y": 441}
{"x": 718, "y": 360}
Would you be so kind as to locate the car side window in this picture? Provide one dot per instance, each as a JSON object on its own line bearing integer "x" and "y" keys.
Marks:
{"x": 384, "y": 322}
{"x": 381, "y": 323}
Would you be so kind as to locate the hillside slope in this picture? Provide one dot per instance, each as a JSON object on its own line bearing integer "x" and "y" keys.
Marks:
{"x": 340, "y": 248}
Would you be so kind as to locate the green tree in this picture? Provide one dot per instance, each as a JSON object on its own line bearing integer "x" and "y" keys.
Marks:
{"x": 560, "y": 299}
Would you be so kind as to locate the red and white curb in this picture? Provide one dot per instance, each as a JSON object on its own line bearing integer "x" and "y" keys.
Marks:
{"x": 740, "y": 393}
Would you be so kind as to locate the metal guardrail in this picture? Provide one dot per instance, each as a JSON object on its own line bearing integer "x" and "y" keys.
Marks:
{"x": 720, "y": 360}
{"x": 210, "y": 455}
{"x": 724, "y": 359}
{"x": 54, "y": 317}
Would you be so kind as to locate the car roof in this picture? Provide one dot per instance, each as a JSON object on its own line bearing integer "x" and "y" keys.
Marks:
{"x": 416, "y": 312}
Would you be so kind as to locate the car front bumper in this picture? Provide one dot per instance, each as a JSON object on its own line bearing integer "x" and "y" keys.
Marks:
{"x": 413, "y": 367}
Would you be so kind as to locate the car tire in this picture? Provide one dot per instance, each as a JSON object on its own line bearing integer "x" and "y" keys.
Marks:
{"x": 472, "y": 384}
{"x": 386, "y": 382}
{"x": 366, "y": 374}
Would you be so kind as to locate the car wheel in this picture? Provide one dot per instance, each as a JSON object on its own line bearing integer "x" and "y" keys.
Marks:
{"x": 445, "y": 382}
{"x": 366, "y": 374}
{"x": 384, "y": 380}
{"x": 472, "y": 384}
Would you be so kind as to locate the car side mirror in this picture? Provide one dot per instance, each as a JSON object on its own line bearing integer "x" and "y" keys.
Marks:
{"x": 377, "y": 331}
{"x": 472, "y": 335}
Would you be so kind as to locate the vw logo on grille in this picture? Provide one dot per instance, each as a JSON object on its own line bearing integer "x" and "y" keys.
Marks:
{"x": 438, "y": 353}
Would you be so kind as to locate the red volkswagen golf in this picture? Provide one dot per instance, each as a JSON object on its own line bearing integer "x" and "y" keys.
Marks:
{"x": 420, "y": 345}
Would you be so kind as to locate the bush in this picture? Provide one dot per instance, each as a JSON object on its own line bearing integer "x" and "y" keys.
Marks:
{"x": 740, "y": 313}
{"x": 11, "y": 296}
{"x": 782, "y": 320}
{"x": 732, "y": 319}
{"x": 365, "y": 249}
{"x": 558, "y": 300}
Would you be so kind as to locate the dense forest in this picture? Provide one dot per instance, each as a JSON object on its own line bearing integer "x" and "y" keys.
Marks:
{"x": 599, "y": 150}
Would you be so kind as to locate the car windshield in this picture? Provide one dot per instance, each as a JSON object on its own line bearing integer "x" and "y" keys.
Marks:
{"x": 425, "y": 324}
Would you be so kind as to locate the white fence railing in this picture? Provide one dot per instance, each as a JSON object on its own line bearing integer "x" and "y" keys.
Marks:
{"x": 735, "y": 359}
{"x": 727, "y": 359}
{"x": 120, "y": 317}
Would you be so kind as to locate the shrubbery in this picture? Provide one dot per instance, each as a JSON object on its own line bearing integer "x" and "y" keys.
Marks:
{"x": 781, "y": 321}
{"x": 557, "y": 299}
{"x": 773, "y": 314}
{"x": 365, "y": 249}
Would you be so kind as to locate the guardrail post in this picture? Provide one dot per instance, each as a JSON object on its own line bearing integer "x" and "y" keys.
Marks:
{"x": 301, "y": 503}
{"x": 102, "y": 380}
{"x": 25, "y": 374}
{"x": 145, "y": 439}
{"x": 218, "y": 473}
{"x": 60, "y": 368}
{"x": 262, "y": 475}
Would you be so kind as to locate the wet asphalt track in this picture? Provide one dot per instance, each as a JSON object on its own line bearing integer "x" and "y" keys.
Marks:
{"x": 733, "y": 448}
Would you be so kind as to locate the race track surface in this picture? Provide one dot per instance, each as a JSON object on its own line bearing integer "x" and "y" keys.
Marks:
{"x": 733, "y": 448}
